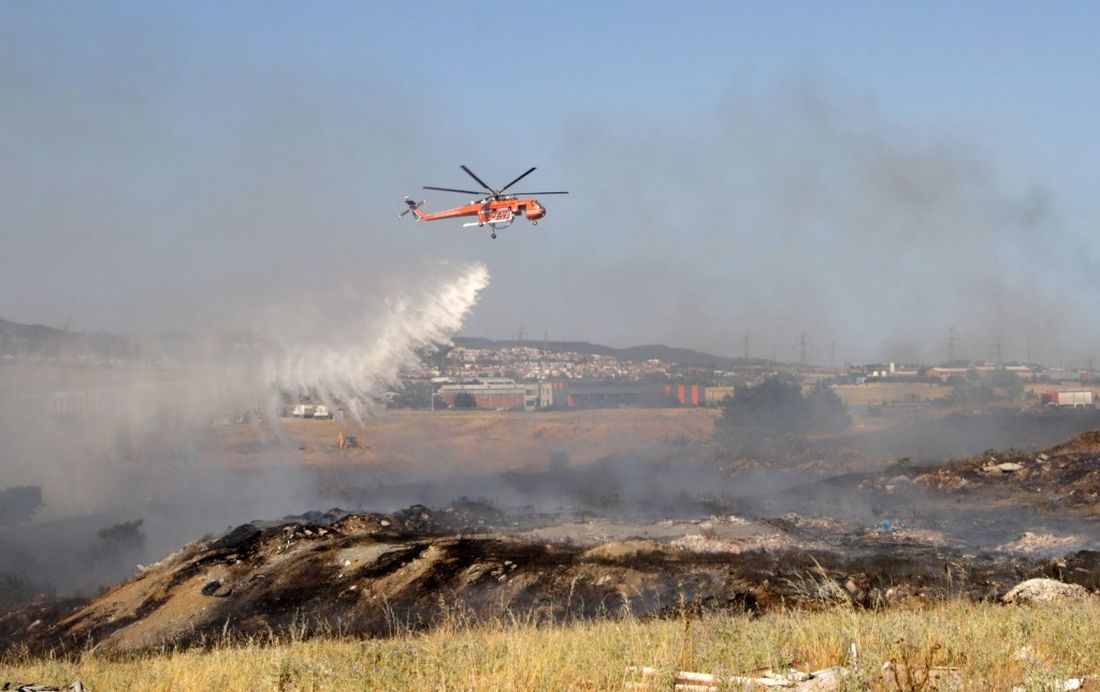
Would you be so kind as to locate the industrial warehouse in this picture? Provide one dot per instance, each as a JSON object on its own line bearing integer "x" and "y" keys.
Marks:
{"x": 503, "y": 393}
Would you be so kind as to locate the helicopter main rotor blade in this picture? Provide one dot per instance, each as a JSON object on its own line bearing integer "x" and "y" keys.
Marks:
{"x": 539, "y": 193}
{"x": 451, "y": 189}
{"x": 479, "y": 180}
{"x": 529, "y": 171}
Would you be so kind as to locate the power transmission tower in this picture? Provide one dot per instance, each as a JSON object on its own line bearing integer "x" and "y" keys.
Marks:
{"x": 746, "y": 350}
{"x": 951, "y": 343}
{"x": 802, "y": 348}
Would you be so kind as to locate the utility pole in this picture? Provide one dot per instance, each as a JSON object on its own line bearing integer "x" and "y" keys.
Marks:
{"x": 832, "y": 354}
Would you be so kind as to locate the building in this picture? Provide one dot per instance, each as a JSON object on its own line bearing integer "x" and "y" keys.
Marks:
{"x": 686, "y": 394}
{"x": 494, "y": 393}
{"x": 611, "y": 394}
{"x": 713, "y": 395}
{"x": 1021, "y": 371}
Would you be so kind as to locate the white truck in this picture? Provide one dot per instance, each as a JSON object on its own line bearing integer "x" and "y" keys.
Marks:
{"x": 1079, "y": 398}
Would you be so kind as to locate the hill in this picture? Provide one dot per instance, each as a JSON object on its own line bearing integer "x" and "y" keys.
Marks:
{"x": 671, "y": 354}
{"x": 38, "y": 340}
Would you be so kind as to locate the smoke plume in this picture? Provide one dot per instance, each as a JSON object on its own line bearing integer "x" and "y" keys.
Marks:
{"x": 140, "y": 439}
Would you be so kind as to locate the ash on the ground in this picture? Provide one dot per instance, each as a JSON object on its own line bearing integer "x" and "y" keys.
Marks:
{"x": 969, "y": 529}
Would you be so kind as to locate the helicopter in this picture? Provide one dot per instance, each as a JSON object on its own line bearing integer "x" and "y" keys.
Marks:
{"x": 496, "y": 210}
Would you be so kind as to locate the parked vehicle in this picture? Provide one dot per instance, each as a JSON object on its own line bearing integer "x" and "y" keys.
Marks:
{"x": 1074, "y": 399}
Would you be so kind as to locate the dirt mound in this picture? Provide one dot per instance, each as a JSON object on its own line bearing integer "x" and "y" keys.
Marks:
{"x": 1065, "y": 476}
{"x": 970, "y": 529}
{"x": 377, "y": 574}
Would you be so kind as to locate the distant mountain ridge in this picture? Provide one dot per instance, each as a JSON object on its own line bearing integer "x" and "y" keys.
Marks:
{"x": 668, "y": 354}
{"x": 39, "y": 340}
{"x": 18, "y": 339}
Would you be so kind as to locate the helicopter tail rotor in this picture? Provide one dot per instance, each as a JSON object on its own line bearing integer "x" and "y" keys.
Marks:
{"x": 414, "y": 207}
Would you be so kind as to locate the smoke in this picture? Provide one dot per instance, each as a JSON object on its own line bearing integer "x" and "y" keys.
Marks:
{"x": 166, "y": 186}
{"x": 803, "y": 207}
{"x": 354, "y": 359}
{"x": 143, "y": 439}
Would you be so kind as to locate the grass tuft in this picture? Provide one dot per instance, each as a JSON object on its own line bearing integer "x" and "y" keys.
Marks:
{"x": 953, "y": 645}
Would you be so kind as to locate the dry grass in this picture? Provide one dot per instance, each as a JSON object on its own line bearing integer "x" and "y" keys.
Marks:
{"x": 421, "y": 441}
{"x": 878, "y": 393}
{"x": 983, "y": 641}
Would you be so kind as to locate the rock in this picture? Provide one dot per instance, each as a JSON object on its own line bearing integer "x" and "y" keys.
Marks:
{"x": 1009, "y": 467}
{"x": 1037, "y": 591}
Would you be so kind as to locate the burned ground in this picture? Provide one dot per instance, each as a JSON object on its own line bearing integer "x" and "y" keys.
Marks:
{"x": 374, "y": 574}
{"x": 649, "y": 536}
{"x": 1066, "y": 476}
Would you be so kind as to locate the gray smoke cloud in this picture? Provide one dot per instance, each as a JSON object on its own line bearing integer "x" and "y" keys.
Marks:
{"x": 147, "y": 183}
{"x": 154, "y": 437}
{"x": 801, "y": 208}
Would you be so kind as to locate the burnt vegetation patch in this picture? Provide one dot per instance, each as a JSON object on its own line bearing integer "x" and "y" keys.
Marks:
{"x": 970, "y": 529}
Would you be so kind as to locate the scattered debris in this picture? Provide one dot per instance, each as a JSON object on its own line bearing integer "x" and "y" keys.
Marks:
{"x": 75, "y": 686}
{"x": 1043, "y": 544}
{"x": 237, "y": 538}
{"x": 646, "y": 678}
{"x": 698, "y": 543}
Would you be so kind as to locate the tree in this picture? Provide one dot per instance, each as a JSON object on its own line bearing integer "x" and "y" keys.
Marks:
{"x": 826, "y": 411}
{"x": 776, "y": 406}
{"x": 465, "y": 400}
{"x": 1005, "y": 382}
{"x": 414, "y": 395}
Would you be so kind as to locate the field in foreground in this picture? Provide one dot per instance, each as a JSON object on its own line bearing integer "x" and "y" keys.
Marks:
{"x": 992, "y": 647}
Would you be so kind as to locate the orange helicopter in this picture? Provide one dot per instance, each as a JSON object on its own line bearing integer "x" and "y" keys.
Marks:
{"x": 497, "y": 210}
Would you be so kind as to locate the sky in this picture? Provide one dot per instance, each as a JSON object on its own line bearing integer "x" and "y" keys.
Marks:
{"x": 869, "y": 174}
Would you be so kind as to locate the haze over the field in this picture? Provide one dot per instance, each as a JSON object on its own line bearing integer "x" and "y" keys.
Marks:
{"x": 869, "y": 175}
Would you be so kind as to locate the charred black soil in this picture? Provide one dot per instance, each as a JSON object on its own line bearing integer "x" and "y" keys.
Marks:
{"x": 647, "y": 539}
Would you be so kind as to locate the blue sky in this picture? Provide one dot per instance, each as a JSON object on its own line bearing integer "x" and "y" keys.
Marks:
{"x": 158, "y": 157}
